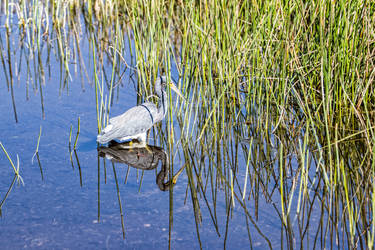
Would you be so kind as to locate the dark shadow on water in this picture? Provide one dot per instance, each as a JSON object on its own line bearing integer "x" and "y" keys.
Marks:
{"x": 144, "y": 158}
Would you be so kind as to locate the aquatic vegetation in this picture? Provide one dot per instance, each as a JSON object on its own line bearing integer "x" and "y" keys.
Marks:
{"x": 280, "y": 100}
{"x": 37, "y": 154}
{"x": 17, "y": 177}
{"x": 15, "y": 169}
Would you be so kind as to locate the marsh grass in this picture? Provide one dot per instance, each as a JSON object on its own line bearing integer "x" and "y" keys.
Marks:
{"x": 74, "y": 150}
{"x": 285, "y": 86}
{"x": 17, "y": 177}
{"x": 36, "y": 154}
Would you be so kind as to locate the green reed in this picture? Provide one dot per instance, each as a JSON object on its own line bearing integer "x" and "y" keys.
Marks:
{"x": 15, "y": 169}
{"x": 37, "y": 153}
{"x": 17, "y": 177}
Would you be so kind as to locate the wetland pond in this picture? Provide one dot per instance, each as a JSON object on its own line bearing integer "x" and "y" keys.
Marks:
{"x": 251, "y": 173}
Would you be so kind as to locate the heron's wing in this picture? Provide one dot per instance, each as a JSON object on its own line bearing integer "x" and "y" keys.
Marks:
{"x": 147, "y": 108}
{"x": 136, "y": 120}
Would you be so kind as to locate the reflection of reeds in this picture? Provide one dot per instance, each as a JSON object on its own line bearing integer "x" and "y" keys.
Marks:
{"x": 119, "y": 201}
{"x": 78, "y": 130}
{"x": 37, "y": 154}
{"x": 74, "y": 150}
{"x": 17, "y": 177}
{"x": 286, "y": 88}
{"x": 15, "y": 169}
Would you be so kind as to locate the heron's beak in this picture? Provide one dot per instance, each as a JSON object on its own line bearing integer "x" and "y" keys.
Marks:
{"x": 175, "y": 89}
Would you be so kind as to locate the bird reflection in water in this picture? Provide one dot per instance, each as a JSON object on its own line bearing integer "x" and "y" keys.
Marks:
{"x": 145, "y": 158}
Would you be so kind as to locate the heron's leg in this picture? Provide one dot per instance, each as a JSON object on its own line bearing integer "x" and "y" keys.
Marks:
{"x": 148, "y": 148}
{"x": 141, "y": 141}
{"x": 137, "y": 143}
{"x": 126, "y": 145}
{"x": 142, "y": 138}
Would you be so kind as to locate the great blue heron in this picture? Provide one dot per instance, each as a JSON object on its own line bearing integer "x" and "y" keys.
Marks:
{"x": 134, "y": 123}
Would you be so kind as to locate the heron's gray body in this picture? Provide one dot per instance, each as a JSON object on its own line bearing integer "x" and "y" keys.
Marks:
{"x": 134, "y": 123}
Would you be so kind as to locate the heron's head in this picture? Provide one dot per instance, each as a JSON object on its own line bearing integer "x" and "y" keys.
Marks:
{"x": 162, "y": 82}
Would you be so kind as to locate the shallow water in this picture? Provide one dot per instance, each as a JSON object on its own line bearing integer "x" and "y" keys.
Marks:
{"x": 58, "y": 213}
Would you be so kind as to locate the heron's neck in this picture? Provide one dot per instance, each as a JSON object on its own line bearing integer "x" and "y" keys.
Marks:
{"x": 163, "y": 105}
{"x": 163, "y": 172}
